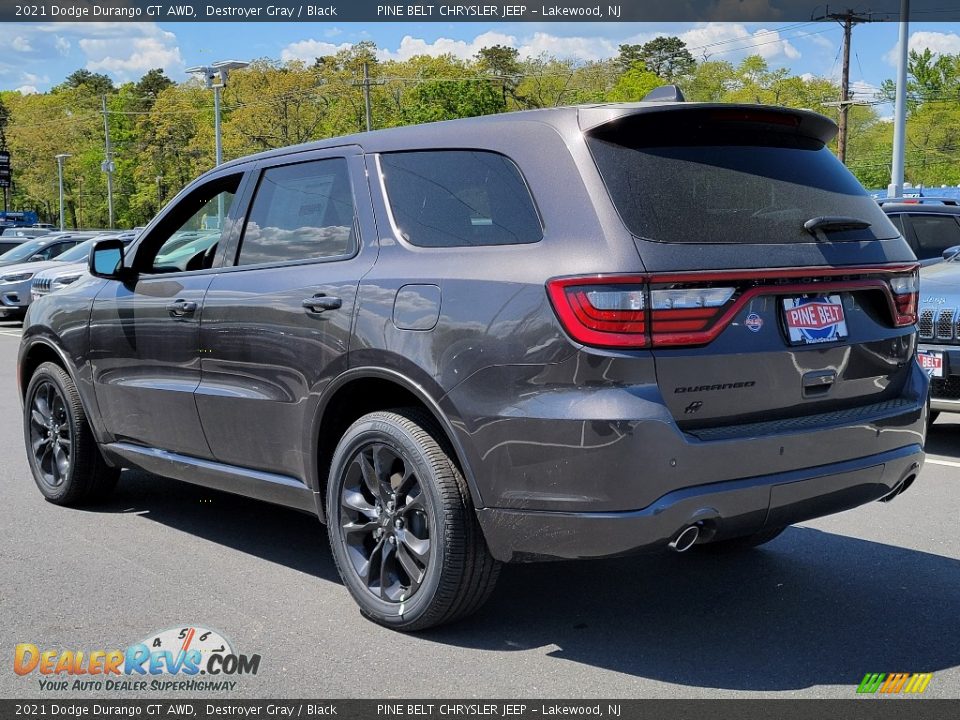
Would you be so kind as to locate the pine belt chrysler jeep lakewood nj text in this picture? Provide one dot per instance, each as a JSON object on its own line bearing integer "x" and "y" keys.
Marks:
{"x": 576, "y": 332}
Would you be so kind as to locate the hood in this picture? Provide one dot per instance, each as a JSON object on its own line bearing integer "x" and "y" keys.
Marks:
{"x": 59, "y": 269}
{"x": 941, "y": 279}
{"x": 33, "y": 267}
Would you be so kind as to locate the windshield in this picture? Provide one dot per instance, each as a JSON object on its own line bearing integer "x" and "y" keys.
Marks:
{"x": 727, "y": 182}
{"x": 24, "y": 250}
{"x": 77, "y": 253}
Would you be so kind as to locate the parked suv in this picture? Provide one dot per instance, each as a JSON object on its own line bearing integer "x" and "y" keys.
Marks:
{"x": 930, "y": 225}
{"x": 488, "y": 340}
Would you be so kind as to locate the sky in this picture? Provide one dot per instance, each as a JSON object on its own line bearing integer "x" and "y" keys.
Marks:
{"x": 34, "y": 57}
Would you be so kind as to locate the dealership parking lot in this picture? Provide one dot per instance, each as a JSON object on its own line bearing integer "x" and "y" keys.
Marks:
{"x": 875, "y": 589}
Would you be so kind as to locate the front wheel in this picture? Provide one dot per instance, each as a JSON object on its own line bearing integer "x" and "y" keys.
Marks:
{"x": 402, "y": 527}
{"x": 64, "y": 457}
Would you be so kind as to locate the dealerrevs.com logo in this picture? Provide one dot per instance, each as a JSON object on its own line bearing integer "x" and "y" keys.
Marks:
{"x": 167, "y": 660}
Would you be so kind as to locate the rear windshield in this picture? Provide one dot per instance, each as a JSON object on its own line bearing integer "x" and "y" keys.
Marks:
{"x": 695, "y": 181}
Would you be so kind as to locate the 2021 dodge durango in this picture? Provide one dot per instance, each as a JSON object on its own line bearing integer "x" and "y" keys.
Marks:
{"x": 490, "y": 340}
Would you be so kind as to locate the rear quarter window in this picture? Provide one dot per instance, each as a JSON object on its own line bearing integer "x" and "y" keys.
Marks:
{"x": 459, "y": 198}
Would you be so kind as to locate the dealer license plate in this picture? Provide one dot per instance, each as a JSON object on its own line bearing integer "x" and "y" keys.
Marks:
{"x": 932, "y": 362}
{"x": 814, "y": 319}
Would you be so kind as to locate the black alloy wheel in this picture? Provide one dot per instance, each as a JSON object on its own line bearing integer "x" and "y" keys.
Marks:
{"x": 51, "y": 437}
{"x": 402, "y": 526}
{"x": 64, "y": 457}
{"x": 384, "y": 522}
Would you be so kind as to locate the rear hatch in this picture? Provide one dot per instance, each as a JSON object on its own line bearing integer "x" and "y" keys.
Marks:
{"x": 776, "y": 288}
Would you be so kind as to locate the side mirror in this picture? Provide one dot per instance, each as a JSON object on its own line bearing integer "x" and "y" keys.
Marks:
{"x": 106, "y": 260}
{"x": 951, "y": 252}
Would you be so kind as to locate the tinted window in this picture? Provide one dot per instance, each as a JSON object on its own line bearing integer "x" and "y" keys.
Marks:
{"x": 453, "y": 198}
{"x": 936, "y": 232}
{"x": 300, "y": 212}
{"x": 689, "y": 178}
{"x": 188, "y": 236}
{"x": 897, "y": 222}
{"x": 52, "y": 251}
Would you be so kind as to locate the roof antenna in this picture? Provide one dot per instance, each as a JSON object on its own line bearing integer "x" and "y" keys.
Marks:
{"x": 664, "y": 93}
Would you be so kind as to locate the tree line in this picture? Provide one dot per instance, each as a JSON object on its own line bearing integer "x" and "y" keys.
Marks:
{"x": 162, "y": 131}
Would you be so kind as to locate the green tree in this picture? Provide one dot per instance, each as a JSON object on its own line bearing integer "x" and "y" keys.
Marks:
{"x": 152, "y": 84}
{"x": 666, "y": 57}
{"x": 96, "y": 83}
{"x": 634, "y": 85}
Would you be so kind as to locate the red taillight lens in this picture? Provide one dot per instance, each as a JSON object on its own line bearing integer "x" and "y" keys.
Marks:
{"x": 602, "y": 314}
{"x": 608, "y": 313}
{"x": 905, "y": 289}
{"x": 683, "y": 309}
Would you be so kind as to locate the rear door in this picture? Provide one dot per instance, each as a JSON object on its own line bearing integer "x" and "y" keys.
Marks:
{"x": 276, "y": 325}
{"x": 777, "y": 286}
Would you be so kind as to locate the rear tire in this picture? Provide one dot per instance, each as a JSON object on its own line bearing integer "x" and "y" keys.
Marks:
{"x": 932, "y": 416}
{"x": 402, "y": 527}
{"x": 64, "y": 456}
{"x": 739, "y": 544}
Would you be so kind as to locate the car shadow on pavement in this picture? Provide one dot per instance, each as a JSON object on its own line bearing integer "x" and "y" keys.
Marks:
{"x": 943, "y": 438}
{"x": 810, "y": 608}
{"x": 256, "y": 528}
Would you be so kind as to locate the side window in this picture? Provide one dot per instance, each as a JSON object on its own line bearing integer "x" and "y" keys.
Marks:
{"x": 52, "y": 251}
{"x": 455, "y": 198}
{"x": 189, "y": 235}
{"x": 897, "y": 221}
{"x": 936, "y": 233}
{"x": 300, "y": 212}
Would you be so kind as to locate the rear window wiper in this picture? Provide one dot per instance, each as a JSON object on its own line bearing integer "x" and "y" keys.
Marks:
{"x": 834, "y": 223}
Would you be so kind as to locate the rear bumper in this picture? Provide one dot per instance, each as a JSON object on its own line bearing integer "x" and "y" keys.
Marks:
{"x": 724, "y": 509}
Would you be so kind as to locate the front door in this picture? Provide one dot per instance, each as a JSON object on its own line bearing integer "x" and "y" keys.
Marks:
{"x": 276, "y": 326}
{"x": 144, "y": 333}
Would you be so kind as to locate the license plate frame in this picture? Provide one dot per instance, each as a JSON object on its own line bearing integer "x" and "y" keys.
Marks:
{"x": 814, "y": 319}
{"x": 932, "y": 362}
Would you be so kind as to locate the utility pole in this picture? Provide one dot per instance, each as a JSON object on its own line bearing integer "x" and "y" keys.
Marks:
{"x": 366, "y": 84}
{"x": 366, "y": 94}
{"x": 107, "y": 165}
{"x": 847, "y": 19}
{"x": 60, "y": 158}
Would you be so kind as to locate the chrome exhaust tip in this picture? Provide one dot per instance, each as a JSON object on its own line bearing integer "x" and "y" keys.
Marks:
{"x": 685, "y": 540}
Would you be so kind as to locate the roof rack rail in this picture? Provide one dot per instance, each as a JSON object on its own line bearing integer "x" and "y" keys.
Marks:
{"x": 917, "y": 201}
{"x": 664, "y": 93}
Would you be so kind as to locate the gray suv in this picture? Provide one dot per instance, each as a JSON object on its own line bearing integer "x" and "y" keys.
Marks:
{"x": 568, "y": 333}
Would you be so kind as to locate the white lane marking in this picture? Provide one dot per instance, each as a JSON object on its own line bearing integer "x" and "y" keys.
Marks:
{"x": 948, "y": 463}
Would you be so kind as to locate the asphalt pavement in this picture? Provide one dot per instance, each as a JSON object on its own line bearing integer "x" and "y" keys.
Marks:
{"x": 874, "y": 589}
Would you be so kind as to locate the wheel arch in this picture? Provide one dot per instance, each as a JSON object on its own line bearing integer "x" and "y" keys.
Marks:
{"x": 362, "y": 390}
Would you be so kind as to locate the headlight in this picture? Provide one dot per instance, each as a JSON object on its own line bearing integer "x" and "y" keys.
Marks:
{"x": 16, "y": 277}
{"x": 62, "y": 281}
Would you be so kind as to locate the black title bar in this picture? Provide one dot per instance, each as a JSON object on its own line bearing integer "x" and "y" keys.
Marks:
{"x": 367, "y": 11}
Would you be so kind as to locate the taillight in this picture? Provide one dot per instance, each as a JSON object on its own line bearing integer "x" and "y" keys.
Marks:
{"x": 683, "y": 309}
{"x": 905, "y": 289}
{"x": 601, "y": 313}
{"x": 629, "y": 313}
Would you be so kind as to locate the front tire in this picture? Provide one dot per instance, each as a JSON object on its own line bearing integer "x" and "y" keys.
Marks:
{"x": 402, "y": 527}
{"x": 64, "y": 457}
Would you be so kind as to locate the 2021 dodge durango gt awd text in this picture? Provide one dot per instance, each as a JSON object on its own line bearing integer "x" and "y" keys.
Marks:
{"x": 489, "y": 340}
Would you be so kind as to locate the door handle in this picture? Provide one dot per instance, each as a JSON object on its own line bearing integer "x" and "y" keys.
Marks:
{"x": 182, "y": 308}
{"x": 319, "y": 303}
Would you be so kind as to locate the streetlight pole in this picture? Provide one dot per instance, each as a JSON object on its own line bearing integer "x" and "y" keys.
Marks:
{"x": 895, "y": 188}
{"x": 60, "y": 158}
{"x": 215, "y": 77}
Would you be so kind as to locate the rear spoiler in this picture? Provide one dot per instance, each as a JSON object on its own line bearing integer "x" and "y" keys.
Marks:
{"x": 803, "y": 122}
